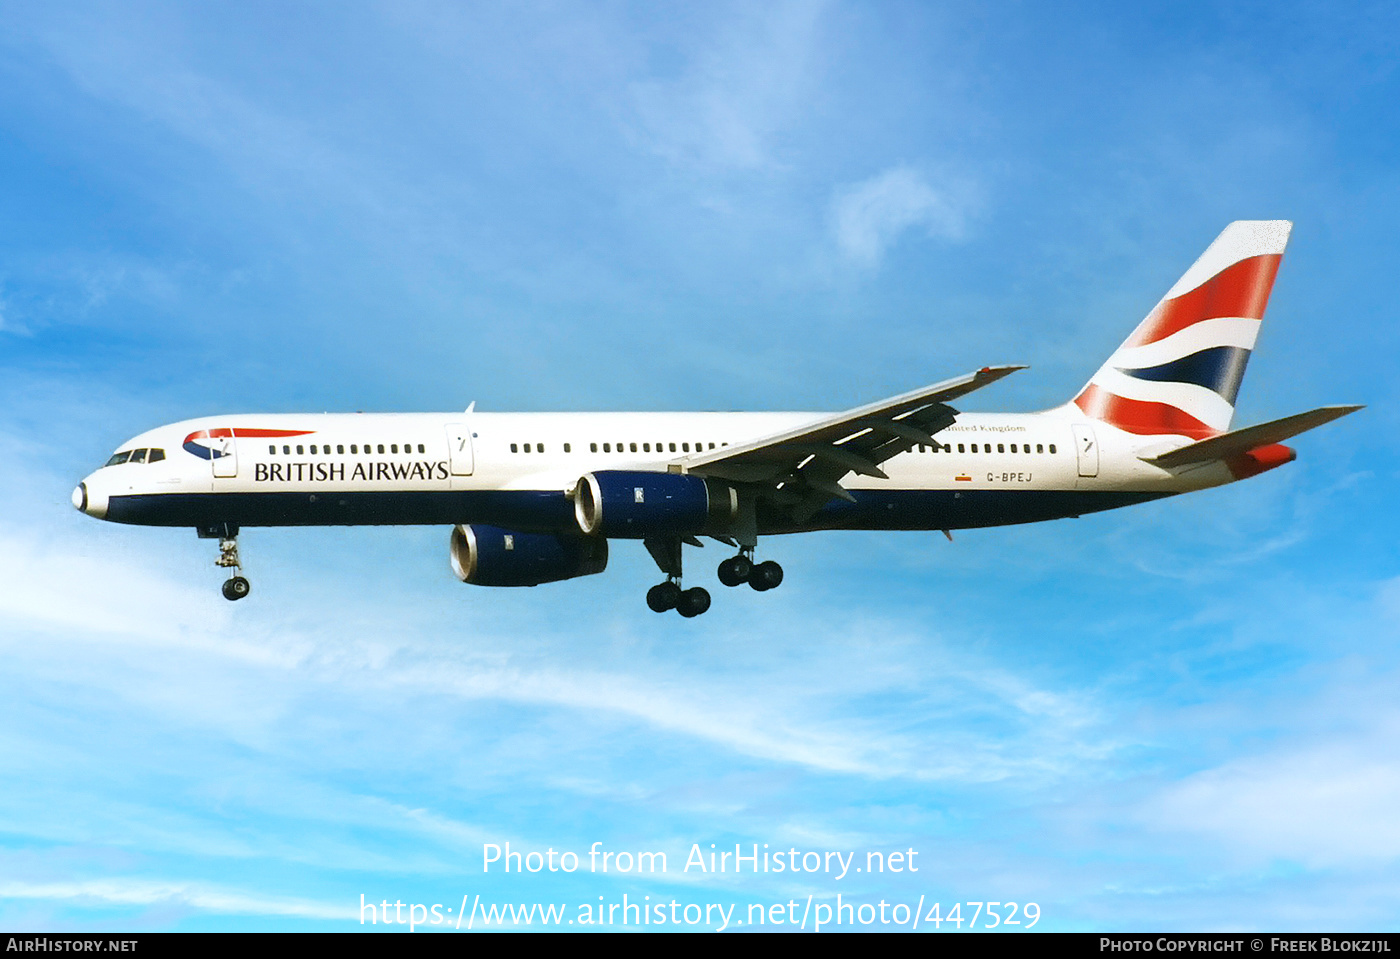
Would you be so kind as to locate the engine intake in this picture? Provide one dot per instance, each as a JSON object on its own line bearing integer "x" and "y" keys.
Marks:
{"x": 636, "y": 504}
{"x": 491, "y": 556}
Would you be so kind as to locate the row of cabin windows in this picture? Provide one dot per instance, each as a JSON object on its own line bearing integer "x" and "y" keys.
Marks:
{"x": 136, "y": 456}
{"x": 325, "y": 449}
{"x": 685, "y": 447}
{"x": 986, "y": 448}
{"x": 621, "y": 447}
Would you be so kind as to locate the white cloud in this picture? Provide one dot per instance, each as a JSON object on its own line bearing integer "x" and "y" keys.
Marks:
{"x": 740, "y": 89}
{"x": 870, "y": 216}
{"x": 1322, "y": 806}
{"x": 144, "y": 892}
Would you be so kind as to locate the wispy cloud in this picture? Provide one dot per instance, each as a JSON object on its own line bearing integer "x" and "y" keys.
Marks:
{"x": 737, "y": 91}
{"x": 147, "y": 892}
{"x": 869, "y": 217}
{"x": 1326, "y": 805}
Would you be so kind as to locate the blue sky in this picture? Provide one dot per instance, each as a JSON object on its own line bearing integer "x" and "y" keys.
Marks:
{"x": 1177, "y": 716}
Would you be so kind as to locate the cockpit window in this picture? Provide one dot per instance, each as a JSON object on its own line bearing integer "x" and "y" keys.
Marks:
{"x": 136, "y": 456}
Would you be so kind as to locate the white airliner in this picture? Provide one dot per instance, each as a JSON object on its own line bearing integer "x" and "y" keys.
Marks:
{"x": 534, "y": 497}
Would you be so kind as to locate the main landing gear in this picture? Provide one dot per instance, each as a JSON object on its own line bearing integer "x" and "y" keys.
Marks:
{"x": 742, "y": 569}
{"x": 669, "y": 594}
{"x": 692, "y": 602}
{"x": 236, "y": 586}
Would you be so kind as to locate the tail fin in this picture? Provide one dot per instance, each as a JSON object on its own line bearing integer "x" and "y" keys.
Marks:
{"x": 1180, "y": 371}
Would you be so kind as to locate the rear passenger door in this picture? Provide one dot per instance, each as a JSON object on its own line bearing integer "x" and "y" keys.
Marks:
{"x": 459, "y": 447}
{"x": 1086, "y": 447}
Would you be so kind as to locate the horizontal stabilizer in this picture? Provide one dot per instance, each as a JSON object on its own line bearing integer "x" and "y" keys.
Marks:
{"x": 1249, "y": 438}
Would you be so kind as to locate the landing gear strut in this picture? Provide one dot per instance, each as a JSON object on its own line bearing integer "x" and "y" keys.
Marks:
{"x": 236, "y": 586}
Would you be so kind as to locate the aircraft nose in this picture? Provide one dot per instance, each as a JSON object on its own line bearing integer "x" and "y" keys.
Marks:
{"x": 90, "y": 497}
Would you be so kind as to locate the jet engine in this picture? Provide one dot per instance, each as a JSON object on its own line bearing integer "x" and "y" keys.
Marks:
{"x": 637, "y": 504}
{"x": 491, "y": 556}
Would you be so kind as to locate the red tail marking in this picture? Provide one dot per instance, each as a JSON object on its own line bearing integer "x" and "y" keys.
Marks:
{"x": 1241, "y": 289}
{"x": 1138, "y": 416}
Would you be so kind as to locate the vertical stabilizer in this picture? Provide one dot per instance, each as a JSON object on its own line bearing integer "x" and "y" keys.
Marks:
{"x": 1180, "y": 371}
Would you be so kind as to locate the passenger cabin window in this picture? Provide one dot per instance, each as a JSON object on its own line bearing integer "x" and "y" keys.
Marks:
{"x": 607, "y": 447}
{"x": 514, "y": 448}
{"x": 592, "y": 447}
{"x": 568, "y": 448}
{"x": 272, "y": 450}
{"x": 301, "y": 451}
{"x": 381, "y": 449}
{"x": 1052, "y": 447}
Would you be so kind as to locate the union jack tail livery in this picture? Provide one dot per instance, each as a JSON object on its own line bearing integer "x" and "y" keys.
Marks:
{"x": 1179, "y": 372}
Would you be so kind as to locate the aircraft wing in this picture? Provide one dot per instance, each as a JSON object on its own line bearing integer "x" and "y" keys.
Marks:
{"x": 1251, "y": 437}
{"x": 806, "y": 464}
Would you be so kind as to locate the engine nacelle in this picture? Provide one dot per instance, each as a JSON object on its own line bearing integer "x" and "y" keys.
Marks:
{"x": 636, "y": 504}
{"x": 491, "y": 556}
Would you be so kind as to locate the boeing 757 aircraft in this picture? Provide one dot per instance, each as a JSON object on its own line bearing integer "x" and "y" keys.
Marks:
{"x": 535, "y": 497}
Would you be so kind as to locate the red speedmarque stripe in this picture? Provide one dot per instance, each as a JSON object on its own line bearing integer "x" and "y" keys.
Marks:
{"x": 244, "y": 433}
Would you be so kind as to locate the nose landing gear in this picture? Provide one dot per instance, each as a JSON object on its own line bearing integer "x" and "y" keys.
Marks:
{"x": 236, "y": 586}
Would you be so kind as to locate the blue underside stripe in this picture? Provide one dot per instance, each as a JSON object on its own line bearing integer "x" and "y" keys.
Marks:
{"x": 549, "y": 511}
